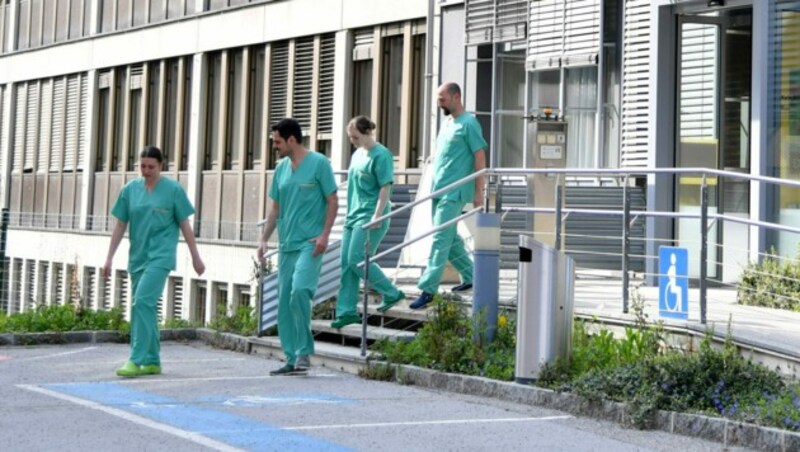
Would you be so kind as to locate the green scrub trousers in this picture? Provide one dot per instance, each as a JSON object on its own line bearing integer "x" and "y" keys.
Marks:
{"x": 353, "y": 244}
{"x": 447, "y": 246}
{"x": 298, "y": 275}
{"x": 148, "y": 285}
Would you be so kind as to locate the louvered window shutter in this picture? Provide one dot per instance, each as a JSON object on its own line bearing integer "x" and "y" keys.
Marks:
{"x": 45, "y": 127}
{"x": 326, "y": 78}
{"x": 4, "y": 99}
{"x": 177, "y": 297}
{"x": 71, "y": 125}
{"x": 279, "y": 80}
{"x": 511, "y": 20}
{"x": 480, "y": 21}
{"x": 363, "y": 41}
{"x": 303, "y": 82}
{"x": 698, "y": 82}
{"x": 19, "y": 127}
{"x": 57, "y": 125}
{"x": 635, "y": 83}
{"x": 31, "y": 125}
{"x": 545, "y": 37}
{"x": 83, "y": 126}
{"x": 581, "y": 32}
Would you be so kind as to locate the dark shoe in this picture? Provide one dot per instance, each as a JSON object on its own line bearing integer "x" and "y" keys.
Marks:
{"x": 387, "y": 302}
{"x": 463, "y": 287}
{"x": 302, "y": 363}
{"x": 288, "y": 370}
{"x": 422, "y": 301}
{"x": 345, "y": 320}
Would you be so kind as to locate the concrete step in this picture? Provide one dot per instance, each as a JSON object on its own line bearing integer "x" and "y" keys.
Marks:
{"x": 374, "y": 333}
{"x": 326, "y": 354}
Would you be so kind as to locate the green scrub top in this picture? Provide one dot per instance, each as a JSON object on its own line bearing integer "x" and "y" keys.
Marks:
{"x": 369, "y": 171}
{"x": 154, "y": 221}
{"x": 456, "y": 145}
{"x": 301, "y": 196}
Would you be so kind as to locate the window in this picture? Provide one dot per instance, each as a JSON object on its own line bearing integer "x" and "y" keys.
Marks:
{"x": 234, "y": 110}
{"x": 580, "y": 113}
{"x": 256, "y": 126}
{"x": 391, "y": 93}
{"x": 153, "y": 115}
{"x": 213, "y": 111}
{"x": 199, "y": 300}
{"x": 103, "y": 119}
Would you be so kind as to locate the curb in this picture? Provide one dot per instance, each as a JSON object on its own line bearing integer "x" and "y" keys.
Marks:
{"x": 724, "y": 431}
{"x": 91, "y": 337}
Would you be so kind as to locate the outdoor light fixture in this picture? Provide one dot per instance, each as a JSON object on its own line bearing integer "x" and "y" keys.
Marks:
{"x": 716, "y": 2}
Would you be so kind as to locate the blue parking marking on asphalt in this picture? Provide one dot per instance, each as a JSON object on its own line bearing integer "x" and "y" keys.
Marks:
{"x": 222, "y": 426}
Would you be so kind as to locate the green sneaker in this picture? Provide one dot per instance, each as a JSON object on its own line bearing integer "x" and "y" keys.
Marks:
{"x": 345, "y": 320}
{"x": 150, "y": 369}
{"x": 129, "y": 369}
{"x": 388, "y": 302}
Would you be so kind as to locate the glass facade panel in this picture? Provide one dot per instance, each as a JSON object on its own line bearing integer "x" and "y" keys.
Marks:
{"x": 785, "y": 117}
{"x": 391, "y": 93}
{"x": 580, "y": 112}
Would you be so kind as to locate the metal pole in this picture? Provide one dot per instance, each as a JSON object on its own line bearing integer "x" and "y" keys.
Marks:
{"x": 366, "y": 294}
{"x": 626, "y": 243}
{"x": 559, "y": 196}
{"x": 426, "y": 124}
{"x": 703, "y": 248}
{"x": 3, "y": 268}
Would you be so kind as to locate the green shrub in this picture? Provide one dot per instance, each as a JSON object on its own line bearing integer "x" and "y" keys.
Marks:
{"x": 446, "y": 343}
{"x": 178, "y": 323}
{"x": 771, "y": 284}
{"x": 60, "y": 318}
{"x": 243, "y": 322}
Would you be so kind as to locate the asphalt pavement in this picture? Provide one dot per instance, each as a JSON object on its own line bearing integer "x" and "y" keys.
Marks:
{"x": 67, "y": 398}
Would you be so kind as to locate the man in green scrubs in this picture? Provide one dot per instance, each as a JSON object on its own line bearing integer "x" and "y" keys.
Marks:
{"x": 460, "y": 150}
{"x": 302, "y": 205}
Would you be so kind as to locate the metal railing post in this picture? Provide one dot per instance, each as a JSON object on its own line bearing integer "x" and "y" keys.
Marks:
{"x": 626, "y": 243}
{"x": 703, "y": 247}
{"x": 559, "y": 196}
{"x": 366, "y": 294}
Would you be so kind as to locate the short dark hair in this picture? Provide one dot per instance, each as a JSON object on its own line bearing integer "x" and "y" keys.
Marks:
{"x": 289, "y": 128}
{"x": 152, "y": 152}
{"x": 452, "y": 88}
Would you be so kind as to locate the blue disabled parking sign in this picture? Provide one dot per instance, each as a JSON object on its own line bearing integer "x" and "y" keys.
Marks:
{"x": 673, "y": 286}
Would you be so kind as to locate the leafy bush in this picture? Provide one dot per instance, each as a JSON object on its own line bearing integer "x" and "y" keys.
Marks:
{"x": 243, "y": 322}
{"x": 177, "y": 323}
{"x": 62, "y": 318}
{"x": 771, "y": 284}
{"x": 446, "y": 343}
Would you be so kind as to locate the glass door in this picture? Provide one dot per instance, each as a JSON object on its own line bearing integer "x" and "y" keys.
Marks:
{"x": 714, "y": 70}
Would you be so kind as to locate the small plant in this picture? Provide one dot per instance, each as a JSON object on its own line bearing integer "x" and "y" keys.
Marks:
{"x": 380, "y": 371}
{"x": 771, "y": 283}
{"x": 243, "y": 321}
{"x": 178, "y": 323}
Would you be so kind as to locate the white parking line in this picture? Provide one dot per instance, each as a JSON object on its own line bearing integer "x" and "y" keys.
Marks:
{"x": 189, "y": 436}
{"x": 417, "y": 423}
{"x": 54, "y": 355}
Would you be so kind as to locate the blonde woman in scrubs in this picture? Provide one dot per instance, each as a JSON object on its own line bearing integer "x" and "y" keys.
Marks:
{"x": 369, "y": 186}
{"x": 155, "y": 208}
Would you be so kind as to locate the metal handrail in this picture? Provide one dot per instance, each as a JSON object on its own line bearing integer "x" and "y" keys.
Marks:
{"x": 426, "y": 198}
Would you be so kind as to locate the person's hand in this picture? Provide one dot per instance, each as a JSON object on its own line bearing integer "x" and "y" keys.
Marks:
{"x": 262, "y": 250}
{"x": 376, "y": 225}
{"x": 107, "y": 269}
{"x": 320, "y": 244}
{"x": 198, "y": 265}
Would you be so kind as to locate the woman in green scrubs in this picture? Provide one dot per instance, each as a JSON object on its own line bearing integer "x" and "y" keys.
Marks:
{"x": 369, "y": 185}
{"x": 155, "y": 207}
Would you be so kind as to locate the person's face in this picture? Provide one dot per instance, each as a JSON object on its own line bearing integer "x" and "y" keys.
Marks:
{"x": 149, "y": 167}
{"x": 280, "y": 145}
{"x": 445, "y": 101}
{"x": 357, "y": 139}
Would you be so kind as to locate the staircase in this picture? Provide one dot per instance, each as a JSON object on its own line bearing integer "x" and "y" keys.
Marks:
{"x": 331, "y": 271}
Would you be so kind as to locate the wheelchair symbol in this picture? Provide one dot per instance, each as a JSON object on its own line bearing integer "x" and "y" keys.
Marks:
{"x": 672, "y": 288}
